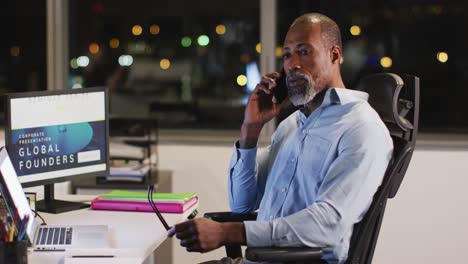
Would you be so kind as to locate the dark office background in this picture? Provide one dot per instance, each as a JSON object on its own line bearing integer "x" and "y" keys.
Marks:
{"x": 199, "y": 86}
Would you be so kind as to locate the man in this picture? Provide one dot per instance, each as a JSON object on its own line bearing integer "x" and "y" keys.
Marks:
{"x": 325, "y": 161}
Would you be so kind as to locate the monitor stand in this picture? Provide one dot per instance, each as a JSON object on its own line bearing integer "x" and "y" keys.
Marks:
{"x": 50, "y": 205}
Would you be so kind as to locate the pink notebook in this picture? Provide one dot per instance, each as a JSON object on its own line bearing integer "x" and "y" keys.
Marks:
{"x": 121, "y": 205}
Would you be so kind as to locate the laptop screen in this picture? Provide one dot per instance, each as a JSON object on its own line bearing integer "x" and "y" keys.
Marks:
{"x": 12, "y": 192}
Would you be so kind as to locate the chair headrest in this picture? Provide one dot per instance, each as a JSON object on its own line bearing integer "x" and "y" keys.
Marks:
{"x": 384, "y": 90}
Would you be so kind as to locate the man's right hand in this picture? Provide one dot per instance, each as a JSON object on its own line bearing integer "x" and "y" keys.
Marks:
{"x": 259, "y": 110}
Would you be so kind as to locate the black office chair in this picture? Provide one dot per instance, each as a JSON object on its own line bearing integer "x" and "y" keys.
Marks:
{"x": 397, "y": 103}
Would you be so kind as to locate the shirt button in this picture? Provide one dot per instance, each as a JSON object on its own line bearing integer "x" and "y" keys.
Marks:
{"x": 284, "y": 189}
{"x": 271, "y": 217}
{"x": 304, "y": 131}
{"x": 293, "y": 160}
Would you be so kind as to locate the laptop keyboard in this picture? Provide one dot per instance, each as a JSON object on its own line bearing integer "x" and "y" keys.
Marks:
{"x": 54, "y": 236}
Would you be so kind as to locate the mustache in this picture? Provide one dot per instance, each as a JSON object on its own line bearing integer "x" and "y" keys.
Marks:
{"x": 296, "y": 74}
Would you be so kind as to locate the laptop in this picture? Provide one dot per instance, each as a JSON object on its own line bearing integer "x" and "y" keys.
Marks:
{"x": 45, "y": 237}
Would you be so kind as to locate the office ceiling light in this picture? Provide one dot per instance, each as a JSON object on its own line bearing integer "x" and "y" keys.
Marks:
{"x": 125, "y": 60}
{"x": 203, "y": 40}
{"x": 442, "y": 56}
{"x": 137, "y": 30}
{"x": 386, "y": 62}
{"x": 355, "y": 30}
{"x": 82, "y": 61}
{"x": 241, "y": 80}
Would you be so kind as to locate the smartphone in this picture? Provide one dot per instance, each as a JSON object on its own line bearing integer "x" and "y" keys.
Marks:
{"x": 280, "y": 92}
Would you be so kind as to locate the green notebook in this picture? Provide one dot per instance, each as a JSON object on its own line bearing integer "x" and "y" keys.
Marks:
{"x": 139, "y": 196}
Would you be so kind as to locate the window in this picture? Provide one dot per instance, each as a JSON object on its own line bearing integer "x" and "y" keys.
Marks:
{"x": 182, "y": 62}
{"x": 23, "y": 46}
{"x": 190, "y": 64}
{"x": 412, "y": 37}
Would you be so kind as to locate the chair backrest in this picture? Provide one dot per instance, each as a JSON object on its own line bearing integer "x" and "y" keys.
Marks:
{"x": 397, "y": 102}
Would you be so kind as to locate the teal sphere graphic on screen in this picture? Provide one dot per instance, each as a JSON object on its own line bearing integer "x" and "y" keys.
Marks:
{"x": 70, "y": 138}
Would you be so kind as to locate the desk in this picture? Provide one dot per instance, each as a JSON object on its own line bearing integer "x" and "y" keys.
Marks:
{"x": 132, "y": 235}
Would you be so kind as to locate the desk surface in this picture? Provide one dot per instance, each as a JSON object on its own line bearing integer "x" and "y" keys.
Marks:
{"x": 133, "y": 235}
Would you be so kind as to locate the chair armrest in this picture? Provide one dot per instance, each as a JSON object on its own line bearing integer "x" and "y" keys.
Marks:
{"x": 278, "y": 254}
{"x": 230, "y": 217}
{"x": 285, "y": 254}
{"x": 232, "y": 251}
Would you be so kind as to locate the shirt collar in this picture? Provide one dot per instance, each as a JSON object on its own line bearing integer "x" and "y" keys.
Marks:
{"x": 338, "y": 96}
{"x": 343, "y": 96}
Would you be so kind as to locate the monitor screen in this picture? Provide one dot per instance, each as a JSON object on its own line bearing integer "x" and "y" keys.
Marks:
{"x": 54, "y": 135}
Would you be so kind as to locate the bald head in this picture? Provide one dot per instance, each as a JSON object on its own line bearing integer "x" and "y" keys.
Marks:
{"x": 330, "y": 32}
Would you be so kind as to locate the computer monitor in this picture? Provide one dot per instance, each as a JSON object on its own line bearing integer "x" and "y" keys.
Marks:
{"x": 55, "y": 136}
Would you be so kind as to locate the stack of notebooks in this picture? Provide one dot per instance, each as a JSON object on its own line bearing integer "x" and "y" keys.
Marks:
{"x": 119, "y": 200}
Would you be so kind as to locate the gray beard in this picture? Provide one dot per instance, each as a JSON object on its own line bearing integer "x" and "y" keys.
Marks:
{"x": 302, "y": 94}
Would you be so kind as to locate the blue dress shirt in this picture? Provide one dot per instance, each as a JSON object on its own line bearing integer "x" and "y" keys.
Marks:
{"x": 316, "y": 179}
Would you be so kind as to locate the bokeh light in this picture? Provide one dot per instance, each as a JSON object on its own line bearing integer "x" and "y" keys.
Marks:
{"x": 203, "y": 40}
{"x": 279, "y": 52}
{"x": 258, "y": 48}
{"x": 165, "y": 64}
{"x": 93, "y": 48}
{"x": 125, "y": 60}
{"x": 386, "y": 62}
{"x": 154, "y": 29}
{"x": 186, "y": 42}
{"x": 241, "y": 80}
{"x": 220, "y": 29}
{"x": 82, "y": 61}
{"x": 137, "y": 30}
{"x": 74, "y": 63}
{"x": 355, "y": 30}
{"x": 114, "y": 43}
{"x": 442, "y": 56}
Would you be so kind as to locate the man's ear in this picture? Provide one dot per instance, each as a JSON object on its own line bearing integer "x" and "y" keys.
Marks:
{"x": 336, "y": 55}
